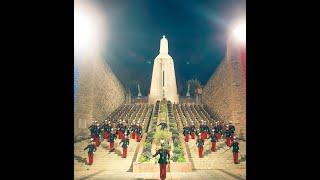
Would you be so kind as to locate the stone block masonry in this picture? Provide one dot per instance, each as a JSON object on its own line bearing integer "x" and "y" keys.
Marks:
{"x": 99, "y": 93}
{"x": 225, "y": 93}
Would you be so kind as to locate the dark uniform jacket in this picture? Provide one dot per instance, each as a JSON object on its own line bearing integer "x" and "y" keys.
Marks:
{"x": 213, "y": 137}
{"x": 235, "y": 146}
{"x": 138, "y": 130}
{"x": 227, "y": 133}
{"x": 232, "y": 128}
{"x": 202, "y": 128}
{"x": 186, "y": 130}
{"x": 164, "y": 156}
{"x": 125, "y": 143}
{"x": 112, "y": 137}
{"x": 106, "y": 128}
{"x": 200, "y": 142}
{"x": 91, "y": 148}
{"x": 192, "y": 128}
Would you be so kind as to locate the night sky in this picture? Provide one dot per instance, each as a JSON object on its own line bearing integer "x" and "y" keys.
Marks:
{"x": 196, "y": 33}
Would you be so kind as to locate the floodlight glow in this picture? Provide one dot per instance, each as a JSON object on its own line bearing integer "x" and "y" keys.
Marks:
{"x": 88, "y": 29}
{"x": 239, "y": 33}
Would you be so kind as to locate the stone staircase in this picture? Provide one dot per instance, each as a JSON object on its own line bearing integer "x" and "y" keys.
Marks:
{"x": 104, "y": 160}
{"x": 215, "y": 160}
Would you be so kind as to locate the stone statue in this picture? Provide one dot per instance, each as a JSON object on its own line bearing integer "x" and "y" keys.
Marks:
{"x": 139, "y": 93}
{"x": 188, "y": 92}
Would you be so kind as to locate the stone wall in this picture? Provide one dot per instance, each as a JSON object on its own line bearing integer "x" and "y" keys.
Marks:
{"x": 99, "y": 93}
{"x": 224, "y": 93}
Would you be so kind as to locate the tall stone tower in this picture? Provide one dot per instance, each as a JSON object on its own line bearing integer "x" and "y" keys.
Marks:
{"x": 163, "y": 83}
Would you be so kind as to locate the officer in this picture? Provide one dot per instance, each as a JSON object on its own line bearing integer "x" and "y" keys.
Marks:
{"x": 163, "y": 160}
{"x": 235, "y": 150}
{"x": 91, "y": 149}
{"x": 125, "y": 144}
{"x": 200, "y": 143}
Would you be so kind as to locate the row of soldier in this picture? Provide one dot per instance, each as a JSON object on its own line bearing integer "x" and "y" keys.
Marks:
{"x": 110, "y": 132}
{"x": 215, "y": 133}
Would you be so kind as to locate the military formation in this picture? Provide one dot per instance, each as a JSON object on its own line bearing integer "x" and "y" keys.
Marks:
{"x": 217, "y": 131}
{"x": 109, "y": 132}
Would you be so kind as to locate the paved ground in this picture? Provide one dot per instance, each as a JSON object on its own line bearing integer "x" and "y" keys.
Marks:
{"x": 198, "y": 174}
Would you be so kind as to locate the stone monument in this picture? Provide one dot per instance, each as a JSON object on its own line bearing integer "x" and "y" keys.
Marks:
{"x": 163, "y": 82}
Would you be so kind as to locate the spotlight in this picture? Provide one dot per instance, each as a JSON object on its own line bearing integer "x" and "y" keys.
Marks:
{"x": 239, "y": 32}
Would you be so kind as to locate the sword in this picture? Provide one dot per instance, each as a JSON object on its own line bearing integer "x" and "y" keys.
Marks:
{"x": 225, "y": 150}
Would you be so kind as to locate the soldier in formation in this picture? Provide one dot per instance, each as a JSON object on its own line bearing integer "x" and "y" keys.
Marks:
{"x": 138, "y": 131}
{"x": 192, "y": 130}
{"x": 133, "y": 129}
{"x": 218, "y": 130}
{"x": 112, "y": 138}
{"x": 186, "y": 132}
{"x": 228, "y": 136}
{"x": 106, "y": 127}
{"x": 213, "y": 141}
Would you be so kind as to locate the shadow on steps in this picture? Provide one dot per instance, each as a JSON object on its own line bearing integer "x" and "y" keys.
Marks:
{"x": 81, "y": 159}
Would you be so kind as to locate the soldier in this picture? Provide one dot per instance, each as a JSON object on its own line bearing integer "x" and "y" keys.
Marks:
{"x": 122, "y": 129}
{"x": 92, "y": 129}
{"x": 163, "y": 160}
{"x": 202, "y": 130}
{"x": 218, "y": 130}
{"x": 206, "y": 130}
{"x": 213, "y": 141}
{"x": 133, "y": 133}
{"x": 128, "y": 129}
{"x": 235, "y": 150}
{"x": 138, "y": 132}
{"x": 163, "y": 125}
{"x": 200, "y": 143}
{"x": 97, "y": 133}
{"x": 112, "y": 138}
{"x": 228, "y": 136}
{"x": 91, "y": 149}
{"x": 192, "y": 130}
{"x": 106, "y": 129}
{"x": 118, "y": 129}
{"x": 232, "y": 128}
{"x": 186, "y": 132}
{"x": 125, "y": 144}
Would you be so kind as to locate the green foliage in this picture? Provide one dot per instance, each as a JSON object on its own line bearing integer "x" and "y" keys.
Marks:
{"x": 175, "y": 131}
{"x": 174, "y": 158}
{"x": 150, "y": 137}
{"x": 161, "y": 135}
{"x": 147, "y": 145}
{"x": 181, "y": 158}
{"x": 178, "y": 149}
{"x": 145, "y": 157}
